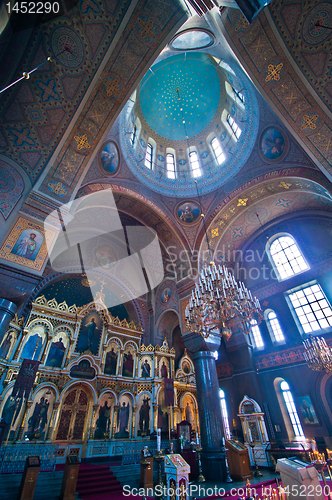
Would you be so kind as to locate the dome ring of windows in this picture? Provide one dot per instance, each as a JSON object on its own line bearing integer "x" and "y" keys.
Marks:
{"x": 168, "y": 145}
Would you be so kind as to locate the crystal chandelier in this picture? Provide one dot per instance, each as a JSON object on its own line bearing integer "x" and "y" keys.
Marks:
{"x": 216, "y": 300}
{"x": 317, "y": 354}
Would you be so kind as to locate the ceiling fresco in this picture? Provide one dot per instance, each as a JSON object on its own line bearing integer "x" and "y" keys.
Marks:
{"x": 309, "y": 44}
{"x": 180, "y": 89}
{"x": 36, "y": 112}
{"x": 261, "y": 52}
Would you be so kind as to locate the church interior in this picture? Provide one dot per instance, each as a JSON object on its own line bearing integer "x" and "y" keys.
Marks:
{"x": 166, "y": 232}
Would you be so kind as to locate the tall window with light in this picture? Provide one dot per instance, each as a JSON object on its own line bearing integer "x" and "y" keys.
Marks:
{"x": 194, "y": 163}
{"x": 224, "y": 414}
{"x": 256, "y": 335}
{"x": 291, "y": 409}
{"x": 148, "y": 156}
{"x": 234, "y": 127}
{"x": 311, "y": 307}
{"x": 218, "y": 152}
{"x": 287, "y": 258}
{"x": 274, "y": 327}
{"x": 170, "y": 166}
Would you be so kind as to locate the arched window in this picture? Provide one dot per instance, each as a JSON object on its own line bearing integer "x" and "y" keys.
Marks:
{"x": 194, "y": 163}
{"x": 218, "y": 152}
{"x": 234, "y": 126}
{"x": 170, "y": 166}
{"x": 286, "y": 256}
{"x": 256, "y": 334}
{"x": 292, "y": 412}
{"x": 274, "y": 326}
{"x": 148, "y": 156}
{"x": 224, "y": 414}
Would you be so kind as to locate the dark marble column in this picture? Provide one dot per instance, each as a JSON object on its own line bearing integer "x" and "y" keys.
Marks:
{"x": 7, "y": 313}
{"x": 209, "y": 408}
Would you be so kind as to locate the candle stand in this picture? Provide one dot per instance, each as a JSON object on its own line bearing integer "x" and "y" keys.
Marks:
{"x": 257, "y": 472}
{"x": 201, "y": 478}
{"x": 158, "y": 458}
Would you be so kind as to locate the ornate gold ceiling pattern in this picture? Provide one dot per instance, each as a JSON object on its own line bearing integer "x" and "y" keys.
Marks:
{"x": 36, "y": 112}
{"x": 258, "y": 49}
{"x": 269, "y": 196}
{"x": 143, "y": 36}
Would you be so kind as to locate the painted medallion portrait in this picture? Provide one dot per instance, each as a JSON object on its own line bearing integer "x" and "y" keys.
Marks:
{"x": 166, "y": 295}
{"x": 188, "y": 212}
{"x": 272, "y": 144}
{"x": 109, "y": 158}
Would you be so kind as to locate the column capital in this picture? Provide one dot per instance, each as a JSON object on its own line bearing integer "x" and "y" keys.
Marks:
{"x": 194, "y": 342}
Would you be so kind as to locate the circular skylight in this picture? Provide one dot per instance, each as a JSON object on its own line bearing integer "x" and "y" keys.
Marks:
{"x": 194, "y": 117}
{"x": 192, "y": 39}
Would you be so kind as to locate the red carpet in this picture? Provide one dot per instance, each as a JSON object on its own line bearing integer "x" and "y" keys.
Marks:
{"x": 96, "y": 480}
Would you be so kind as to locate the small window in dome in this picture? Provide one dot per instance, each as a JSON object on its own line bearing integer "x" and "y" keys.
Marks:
{"x": 194, "y": 163}
{"x": 219, "y": 154}
{"x": 238, "y": 94}
{"x": 224, "y": 65}
{"x": 148, "y": 156}
{"x": 234, "y": 126}
{"x": 133, "y": 136}
{"x": 170, "y": 166}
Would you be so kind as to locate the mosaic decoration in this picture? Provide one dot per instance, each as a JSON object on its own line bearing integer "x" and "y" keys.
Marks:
{"x": 26, "y": 245}
{"x": 188, "y": 212}
{"x": 109, "y": 158}
{"x": 11, "y": 188}
{"x": 273, "y": 144}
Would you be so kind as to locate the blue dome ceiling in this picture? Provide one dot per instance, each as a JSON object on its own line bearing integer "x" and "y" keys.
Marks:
{"x": 204, "y": 92}
{"x": 185, "y": 88}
